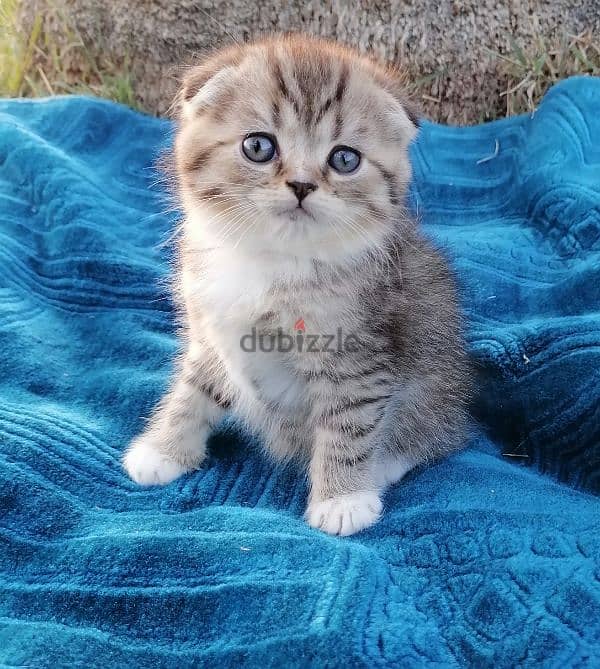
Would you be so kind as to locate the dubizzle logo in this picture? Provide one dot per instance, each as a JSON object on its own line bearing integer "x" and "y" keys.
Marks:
{"x": 301, "y": 341}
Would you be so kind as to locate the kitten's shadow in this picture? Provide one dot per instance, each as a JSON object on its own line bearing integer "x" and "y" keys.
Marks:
{"x": 230, "y": 442}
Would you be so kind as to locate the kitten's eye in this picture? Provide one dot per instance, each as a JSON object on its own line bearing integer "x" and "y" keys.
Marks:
{"x": 259, "y": 148}
{"x": 344, "y": 160}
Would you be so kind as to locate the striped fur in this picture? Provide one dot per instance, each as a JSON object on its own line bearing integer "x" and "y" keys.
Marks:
{"x": 350, "y": 260}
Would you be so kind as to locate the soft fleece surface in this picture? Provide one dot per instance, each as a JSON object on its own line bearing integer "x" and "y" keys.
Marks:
{"x": 485, "y": 559}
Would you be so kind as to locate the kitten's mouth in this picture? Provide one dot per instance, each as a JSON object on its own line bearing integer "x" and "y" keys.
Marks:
{"x": 297, "y": 213}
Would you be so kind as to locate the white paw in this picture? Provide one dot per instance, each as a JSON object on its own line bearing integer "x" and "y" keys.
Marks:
{"x": 146, "y": 465}
{"x": 345, "y": 514}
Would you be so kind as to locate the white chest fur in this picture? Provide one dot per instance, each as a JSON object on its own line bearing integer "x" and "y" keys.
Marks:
{"x": 238, "y": 304}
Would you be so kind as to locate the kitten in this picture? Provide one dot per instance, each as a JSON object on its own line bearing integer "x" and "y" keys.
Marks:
{"x": 292, "y": 163}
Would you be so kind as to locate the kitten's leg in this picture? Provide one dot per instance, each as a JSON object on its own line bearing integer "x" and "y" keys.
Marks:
{"x": 287, "y": 438}
{"x": 421, "y": 426}
{"x": 175, "y": 439}
{"x": 345, "y": 490}
{"x": 391, "y": 468}
{"x": 354, "y": 461}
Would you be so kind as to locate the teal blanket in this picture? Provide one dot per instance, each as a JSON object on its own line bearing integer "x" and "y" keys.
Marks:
{"x": 488, "y": 559}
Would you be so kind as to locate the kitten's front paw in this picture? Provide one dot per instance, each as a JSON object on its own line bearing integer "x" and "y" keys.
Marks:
{"x": 146, "y": 465}
{"x": 345, "y": 514}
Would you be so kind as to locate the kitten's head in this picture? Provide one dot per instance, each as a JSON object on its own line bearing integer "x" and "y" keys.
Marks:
{"x": 293, "y": 145}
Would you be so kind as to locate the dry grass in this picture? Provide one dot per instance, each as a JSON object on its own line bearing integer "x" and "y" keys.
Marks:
{"x": 32, "y": 64}
{"x": 16, "y": 51}
{"x": 530, "y": 72}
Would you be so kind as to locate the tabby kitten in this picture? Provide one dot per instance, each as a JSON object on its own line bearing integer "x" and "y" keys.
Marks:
{"x": 292, "y": 164}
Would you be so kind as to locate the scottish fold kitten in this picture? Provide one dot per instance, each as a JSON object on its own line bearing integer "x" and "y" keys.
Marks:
{"x": 315, "y": 311}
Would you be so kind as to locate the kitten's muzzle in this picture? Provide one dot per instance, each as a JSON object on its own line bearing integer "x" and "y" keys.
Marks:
{"x": 301, "y": 188}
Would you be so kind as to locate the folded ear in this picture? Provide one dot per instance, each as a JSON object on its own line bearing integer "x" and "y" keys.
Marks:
{"x": 203, "y": 84}
{"x": 413, "y": 111}
{"x": 394, "y": 81}
{"x": 410, "y": 111}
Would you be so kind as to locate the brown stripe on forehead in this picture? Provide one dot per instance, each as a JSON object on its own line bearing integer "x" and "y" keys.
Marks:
{"x": 303, "y": 77}
{"x": 390, "y": 181}
{"x": 200, "y": 159}
{"x": 340, "y": 91}
{"x": 275, "y": 114}
{"x": 284, "y": 91}
{"x": 324, "y": 109}
{"x": 338, "y": 125}
{"x": 312, "y": 73}
{"x": 338, "y": 96}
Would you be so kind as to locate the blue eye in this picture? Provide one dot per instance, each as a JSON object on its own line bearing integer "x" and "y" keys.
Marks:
{"x": 259, "y": 148}
{"x": 344, "y": 160}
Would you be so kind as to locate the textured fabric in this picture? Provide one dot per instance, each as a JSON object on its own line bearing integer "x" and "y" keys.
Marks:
{"x": 485, "y": 559}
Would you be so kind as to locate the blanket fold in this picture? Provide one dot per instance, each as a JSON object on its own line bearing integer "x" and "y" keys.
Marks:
{"x": 490, "y": 558}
